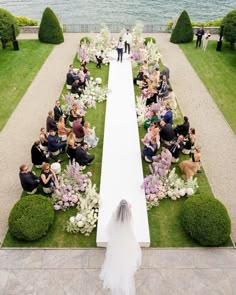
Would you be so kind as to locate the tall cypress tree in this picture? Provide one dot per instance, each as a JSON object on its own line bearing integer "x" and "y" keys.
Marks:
{"x": 183, "y": 31}
{"x": 50, "y": 30}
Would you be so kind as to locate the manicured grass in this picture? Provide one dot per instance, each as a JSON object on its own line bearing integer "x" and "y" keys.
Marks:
{"x": 17, "y": 71}
{"x": 165, "y": 220}
{"x": 56, "y": 236}
{"x": 217, "y": 70}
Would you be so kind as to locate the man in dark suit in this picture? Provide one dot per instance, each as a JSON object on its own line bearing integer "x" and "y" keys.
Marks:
{"x": 70, "y": 77}
{"x": 58, "y": 111}
{"x": 199, "y": 34}
{"x": 29, "y": 181}
{"x": 51, "y": 124}
{"x": 82, "y": 156}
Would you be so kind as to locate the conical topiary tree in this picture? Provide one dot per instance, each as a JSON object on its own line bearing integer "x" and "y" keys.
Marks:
{"x": 183, "y": 31}
{"x": 50, "y": 30}
{"x": 6, "y": 22}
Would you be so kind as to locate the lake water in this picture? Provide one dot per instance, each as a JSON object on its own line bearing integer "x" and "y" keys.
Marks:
{"x": 120, "y": 11}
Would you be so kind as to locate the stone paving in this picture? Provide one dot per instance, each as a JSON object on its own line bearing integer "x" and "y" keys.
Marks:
{"x": 163, "y": 271}
{"x": 76, "y": 272}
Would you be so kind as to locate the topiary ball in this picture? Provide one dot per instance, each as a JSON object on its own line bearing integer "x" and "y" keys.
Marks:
{"x": 86, "y": 40}
{"x": 206, "y": 220}
{"x": 149, "y": 40}
{"x": 31, "y": 218}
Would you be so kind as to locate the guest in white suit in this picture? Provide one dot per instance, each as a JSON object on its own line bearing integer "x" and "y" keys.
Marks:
{"x": 127, "y": 39}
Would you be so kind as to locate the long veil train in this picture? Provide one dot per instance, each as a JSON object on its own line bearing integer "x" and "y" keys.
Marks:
{"x": 123, "y": 254}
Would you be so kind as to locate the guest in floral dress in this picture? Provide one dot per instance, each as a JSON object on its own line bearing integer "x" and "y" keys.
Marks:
{"x": 90, "y": 136}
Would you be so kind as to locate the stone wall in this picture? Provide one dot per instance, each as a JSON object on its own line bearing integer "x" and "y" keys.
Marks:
{"x": 29, "y": 29}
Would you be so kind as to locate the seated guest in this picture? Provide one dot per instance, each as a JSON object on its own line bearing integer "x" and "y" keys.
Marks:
{"x": 48, "y": 179}
{"x": 176, "y": 147}
{"x": 154, "y": 67}
{"x": 51, "y": 124}
{"x": 153, "y": 130}
{"x": 54, "y": 144}
{"x": 84, "y": 65}
{"x": 78, "y": 130}
{"x": 165, "y": 72}
{"x": 189, "y": 142}
{"x": 139, "y": 76}
{"x": 43, "y": 140}
{"x": 90, "y": 136}
{"x": 37, "y": 155}
{"x": 167, "y": 132}
{"x": 87, "y": 77}
{"x": 170, "y": 99}
{"x": 182, "y": 129}
{"x": 150, "y": 150}
{"x": 162, "y": 162}
{"x": 29, "y": 181}
{"x": 62, "y": 130}
{"x": 70, "y": 77}
{"x": 163, "y": 92}
{"x": 99, "y": 59}
{"x": 82, "y": 156}
{"x": 152, "y": 117}
{"x": 190, "y": 167}
{"x": 71, "y": 146}
{"x": 58, "y": 111}
{"x": 75, "y": 89}
{"x": 168, "y": 117}
{"x": 73, "y": 113}
{"x": 154, "y": 77}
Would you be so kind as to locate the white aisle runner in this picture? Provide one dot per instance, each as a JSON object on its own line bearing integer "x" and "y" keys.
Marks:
{"x": 122, "y": 174}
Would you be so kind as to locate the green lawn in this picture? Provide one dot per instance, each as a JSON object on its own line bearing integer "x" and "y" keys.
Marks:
{"x": 56, "y": 236}
{"x": 17, "y": 71}
{"x": 217, "y": 70}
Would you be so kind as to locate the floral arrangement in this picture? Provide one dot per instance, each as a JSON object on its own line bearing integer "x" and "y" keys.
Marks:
{"x": 93, "y": 93}
{"x": 169, "y": 186}
{"x": 72, "y": 186}
{"x": 69, "y": 100}
{"x": 87, "y": 51}
{"x": 87, "y": 216}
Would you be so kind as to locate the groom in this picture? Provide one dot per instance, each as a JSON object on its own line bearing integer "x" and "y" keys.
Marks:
{"x": 127, "y": 39}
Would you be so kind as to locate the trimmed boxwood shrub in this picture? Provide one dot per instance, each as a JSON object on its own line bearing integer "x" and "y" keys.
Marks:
{"x": 149, "y": 39}
{"x": 26, "y": 21}
{"x": 50, "y": 30}
{"x": 206, "y": 220}
{"x": 31, "y": 217}
{"x": 85, "y": 40}
{"x": 183, "y": 31}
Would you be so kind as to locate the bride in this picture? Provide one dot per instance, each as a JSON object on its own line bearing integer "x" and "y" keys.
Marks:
{"x": 123, "y": 254}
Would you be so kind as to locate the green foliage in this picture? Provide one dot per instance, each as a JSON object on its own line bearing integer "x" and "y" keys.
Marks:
{"x": 206, "y": 220}
{"x": 209, "y": 23}
{"x": 182, "y": 32}
{"x": 85, "y": 40}
{"x": 50, "y": 30}
{"x": 31, "y": 218}
{"x": 26, "y": 21}
{"x": 229, "y": 23}
{"x": 149, "y": 40}
{"x": 6, "y": 22}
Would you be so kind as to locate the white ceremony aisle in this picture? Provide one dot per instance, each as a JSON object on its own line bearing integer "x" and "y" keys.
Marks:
{"x": 122, "y": 174}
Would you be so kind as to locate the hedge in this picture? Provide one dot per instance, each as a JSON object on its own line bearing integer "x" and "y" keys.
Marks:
{"x": 31, "y": 217}
{"x": 206, "y": 220}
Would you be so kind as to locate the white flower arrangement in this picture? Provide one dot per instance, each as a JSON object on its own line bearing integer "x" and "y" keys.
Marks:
{"x": 169, "y": 186}
{"x": 85, "y": 220}
{"x": 93, "y": 93}
{"x": 141, "y": 110}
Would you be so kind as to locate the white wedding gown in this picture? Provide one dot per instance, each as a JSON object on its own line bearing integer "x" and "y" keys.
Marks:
{"x": 123, "y": 257}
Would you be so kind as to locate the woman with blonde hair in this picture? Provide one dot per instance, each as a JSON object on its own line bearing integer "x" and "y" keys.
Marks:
{"x": 90, "y": 136}
{"x": 190, "y": 167}
{"x": 61, "y": 129}
{"x": 71, "y": 145}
